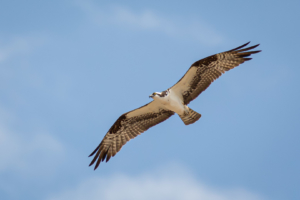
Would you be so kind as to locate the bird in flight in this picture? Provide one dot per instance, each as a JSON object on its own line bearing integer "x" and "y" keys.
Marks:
{"x": 173, "y": 100}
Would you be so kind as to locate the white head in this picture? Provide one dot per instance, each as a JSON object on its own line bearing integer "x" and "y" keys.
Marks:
{"x": 158, "y": 94}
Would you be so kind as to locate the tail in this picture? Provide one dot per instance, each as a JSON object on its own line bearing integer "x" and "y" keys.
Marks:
{"x": 190, "y": 117}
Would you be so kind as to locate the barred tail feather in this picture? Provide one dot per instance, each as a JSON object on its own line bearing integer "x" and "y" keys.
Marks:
{"x": 191, "y": 117}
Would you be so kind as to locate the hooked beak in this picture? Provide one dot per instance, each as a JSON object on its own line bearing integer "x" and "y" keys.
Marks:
{"x": 151, "y": 96}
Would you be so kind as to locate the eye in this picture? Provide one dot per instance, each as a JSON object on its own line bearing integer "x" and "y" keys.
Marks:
{"x": 154, "y": 93}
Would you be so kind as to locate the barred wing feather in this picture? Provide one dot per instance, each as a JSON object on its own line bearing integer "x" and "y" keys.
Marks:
{"x": 127, "y": 127}
{"x": 203, "y": 72}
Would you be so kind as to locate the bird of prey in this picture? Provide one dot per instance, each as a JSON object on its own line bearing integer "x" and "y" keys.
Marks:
{"x": 173, "y": 100}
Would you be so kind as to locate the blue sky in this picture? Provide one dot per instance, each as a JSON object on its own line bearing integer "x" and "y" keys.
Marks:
{"x": 69, "y": 69}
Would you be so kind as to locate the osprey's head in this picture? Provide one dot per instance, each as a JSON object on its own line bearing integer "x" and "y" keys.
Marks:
{"x": 154, "y": 94}
{"x": 160, "y": 94}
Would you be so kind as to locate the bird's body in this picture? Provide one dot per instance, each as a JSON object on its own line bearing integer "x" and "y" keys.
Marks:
{"x": 170, "y": 100}
{"x": 173, "y": 100}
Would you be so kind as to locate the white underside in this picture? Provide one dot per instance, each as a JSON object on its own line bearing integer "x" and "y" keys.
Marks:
{"x": 172, "y": 102}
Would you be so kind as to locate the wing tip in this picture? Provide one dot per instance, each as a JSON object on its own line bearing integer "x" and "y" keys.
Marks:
{"x": 99, "y": 157}
{"x": 239, "y": 47}
{"x": 244, "y": 52}
{"x": 95, "y": 150}
{"x": 96, "y": 166}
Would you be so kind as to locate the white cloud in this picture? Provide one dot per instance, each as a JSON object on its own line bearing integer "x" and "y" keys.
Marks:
{"x": 19, "y": 45}
{"x": 168, "y": 183}
{"x": 174, "y": 26}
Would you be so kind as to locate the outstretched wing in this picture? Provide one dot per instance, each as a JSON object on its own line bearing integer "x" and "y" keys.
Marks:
{"x": 128, "y": 126}
{"x": 203, "y": 72}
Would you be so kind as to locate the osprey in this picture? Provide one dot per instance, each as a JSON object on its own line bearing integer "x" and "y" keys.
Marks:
{"x": 174, "y": 100}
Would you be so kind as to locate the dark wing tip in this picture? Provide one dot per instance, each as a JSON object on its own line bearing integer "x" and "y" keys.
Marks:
{"x": 108, "y": 158}
{"x": 239, "y": 47}
{"x": 99, "y": 157}
{"x": 101, "y": 153}
{"x": 96, "y": 166}
{"x": 95, "y": 158}
{"x": 97, "y": 163}
{"x": 244, "y": 53}
{"x": 247, "y": 49}
{"x": 95, "y": 150}
{"x": 253, "y": 52}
